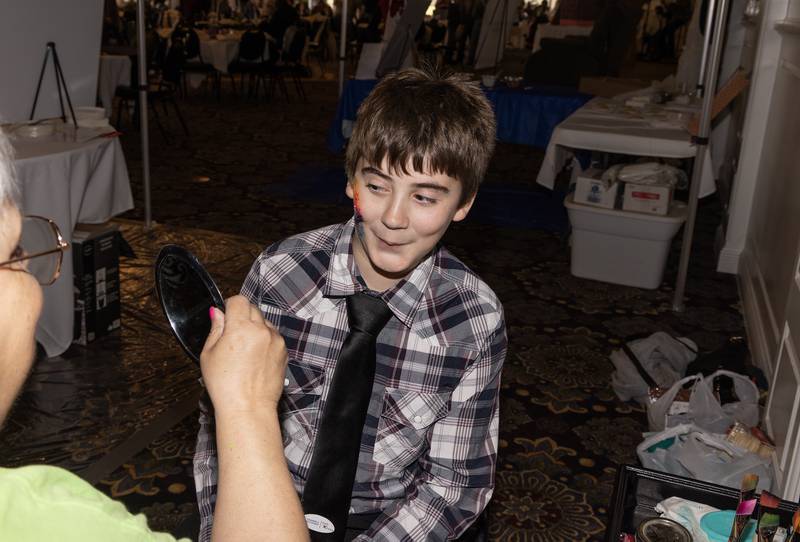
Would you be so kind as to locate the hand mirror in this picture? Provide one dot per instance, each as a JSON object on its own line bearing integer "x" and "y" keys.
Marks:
{"x": 186, "y": 291}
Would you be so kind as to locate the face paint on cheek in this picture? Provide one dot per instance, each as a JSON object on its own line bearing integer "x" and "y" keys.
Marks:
{"x": 357, "y": 206}
{"x": 358, "y": 219}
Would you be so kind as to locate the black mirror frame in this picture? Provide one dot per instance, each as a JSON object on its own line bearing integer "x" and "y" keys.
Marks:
{"x": 192, "y": 261}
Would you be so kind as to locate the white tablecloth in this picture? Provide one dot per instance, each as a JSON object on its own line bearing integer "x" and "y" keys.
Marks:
{"x": 115, "y": 70}
{"x": 219, "y": 52}
{"x": 69, "y": 182}
{"x": 605, "y": 125}
{"x": 558, "y": 31}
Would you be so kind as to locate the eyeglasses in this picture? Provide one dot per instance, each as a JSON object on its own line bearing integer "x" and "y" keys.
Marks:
{"x": 41, "y": 247}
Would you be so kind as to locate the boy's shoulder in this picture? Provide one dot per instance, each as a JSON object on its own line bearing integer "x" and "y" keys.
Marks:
{"x": 287, "y": 271}
{"x": 318, "y": 240}
{"x": 455, "y": 288}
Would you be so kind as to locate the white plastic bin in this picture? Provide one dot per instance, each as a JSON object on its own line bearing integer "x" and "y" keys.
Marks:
{"x": 621, "y": 247}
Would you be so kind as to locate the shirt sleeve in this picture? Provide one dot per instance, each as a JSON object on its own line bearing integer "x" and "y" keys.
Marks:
{"x": 205, "y": 470}
{"x": 457, "y": 472}
{"x": 205, "y": 456}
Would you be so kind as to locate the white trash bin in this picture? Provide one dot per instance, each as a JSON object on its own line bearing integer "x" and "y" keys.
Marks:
{"x": 622, "y": 247}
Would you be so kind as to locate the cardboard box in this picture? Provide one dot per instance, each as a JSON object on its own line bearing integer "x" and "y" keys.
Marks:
{"x": 590, "y": 190}
{"x": 608, "y": 87}
{"x": 647, "y": 198}
{"x": 95, "y": 260}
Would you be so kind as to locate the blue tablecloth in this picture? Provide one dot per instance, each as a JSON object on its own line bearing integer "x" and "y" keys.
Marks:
{"x": 525, "y": 116}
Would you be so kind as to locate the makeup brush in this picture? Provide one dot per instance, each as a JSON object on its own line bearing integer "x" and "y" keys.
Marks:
{"x": 767, "y": 525}
{"x": 747, "y": 503}
{"x": 795, "y": 526}
{"x": 768, "y": 520}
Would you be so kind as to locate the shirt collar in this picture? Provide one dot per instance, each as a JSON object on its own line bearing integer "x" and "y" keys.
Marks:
{"x": 343, "y": 278}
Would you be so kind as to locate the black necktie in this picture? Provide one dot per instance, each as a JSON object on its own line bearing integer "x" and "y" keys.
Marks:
{"x": 329, "y": 486}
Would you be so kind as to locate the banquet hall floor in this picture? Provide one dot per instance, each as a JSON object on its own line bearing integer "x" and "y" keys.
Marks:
{"x": 563, "y": 432}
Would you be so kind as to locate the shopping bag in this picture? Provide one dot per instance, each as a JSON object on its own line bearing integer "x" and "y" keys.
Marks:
{"x": 703, "y": 409}
{"x": 693, "y": 452}
{"x": 655, "y": 361}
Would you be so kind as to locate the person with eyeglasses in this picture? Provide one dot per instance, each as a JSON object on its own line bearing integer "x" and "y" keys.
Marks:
{"x": 243, "y": 361}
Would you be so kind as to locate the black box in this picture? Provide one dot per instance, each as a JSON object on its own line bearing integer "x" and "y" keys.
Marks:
{"x": 638, "y": 491}
{"x": 95, "y": 261}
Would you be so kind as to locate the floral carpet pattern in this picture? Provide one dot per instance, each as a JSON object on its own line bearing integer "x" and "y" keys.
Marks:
{"x": 563, "y": 432}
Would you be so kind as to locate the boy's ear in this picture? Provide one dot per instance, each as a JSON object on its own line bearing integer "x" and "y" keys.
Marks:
{"x": 349, "y": 189}
{"x": 463, "y": 211}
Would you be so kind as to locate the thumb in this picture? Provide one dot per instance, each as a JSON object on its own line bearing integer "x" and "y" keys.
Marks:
{"x": 217, "y": 326}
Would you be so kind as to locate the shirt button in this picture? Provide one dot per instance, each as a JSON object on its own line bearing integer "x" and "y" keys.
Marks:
{"x": 417, "y": 419}
{"x": 286, "y": 382}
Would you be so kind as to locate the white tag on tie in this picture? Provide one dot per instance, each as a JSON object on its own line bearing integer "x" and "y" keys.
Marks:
{"x": 319, "y": 524}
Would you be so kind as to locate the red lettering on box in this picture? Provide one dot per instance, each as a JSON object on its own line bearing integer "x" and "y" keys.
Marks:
{"x": 645, "y": 195}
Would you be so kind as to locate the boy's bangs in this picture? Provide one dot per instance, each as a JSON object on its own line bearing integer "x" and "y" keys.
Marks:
{"x": 401, "y": 155}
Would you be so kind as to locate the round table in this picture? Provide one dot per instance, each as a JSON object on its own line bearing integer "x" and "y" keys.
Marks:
{"x": 69, "y": 181}
{"x": 219, "y": 52}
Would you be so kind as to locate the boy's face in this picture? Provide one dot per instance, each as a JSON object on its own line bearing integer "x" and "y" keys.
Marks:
{"x": 399, "y": 219}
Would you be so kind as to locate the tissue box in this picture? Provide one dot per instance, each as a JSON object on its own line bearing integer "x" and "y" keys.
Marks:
{"x": 95, "y": 261}
{"x": 647, "y": 198}
{"x": 590, "y": 190}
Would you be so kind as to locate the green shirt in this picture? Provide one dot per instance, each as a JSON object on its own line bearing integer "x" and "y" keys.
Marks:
{"x": 49, "y": 503}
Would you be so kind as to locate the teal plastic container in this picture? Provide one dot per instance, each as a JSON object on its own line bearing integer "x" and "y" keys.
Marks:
{"x": 717, "y": 526}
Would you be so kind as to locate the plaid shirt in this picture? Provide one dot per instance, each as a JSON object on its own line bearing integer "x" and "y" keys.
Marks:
{"x": 429, "y": 442}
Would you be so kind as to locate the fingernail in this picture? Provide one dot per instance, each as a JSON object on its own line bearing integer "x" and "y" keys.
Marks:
{"x": 211, "y": 312}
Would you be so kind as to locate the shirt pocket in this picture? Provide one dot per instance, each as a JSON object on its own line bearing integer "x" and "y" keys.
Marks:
{"x": 300, "y": 405}
{"x": 406, "y": 419}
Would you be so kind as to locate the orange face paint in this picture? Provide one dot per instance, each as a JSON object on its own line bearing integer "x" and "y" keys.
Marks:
{"x": 356, "y": 203}
{"x": 358, "y": 218}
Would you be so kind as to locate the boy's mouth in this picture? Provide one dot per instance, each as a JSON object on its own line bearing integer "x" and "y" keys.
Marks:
{"x": 388, "y": 244}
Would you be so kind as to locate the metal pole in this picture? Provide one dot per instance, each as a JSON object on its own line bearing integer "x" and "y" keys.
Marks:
{"x": 140, "y": 22}
{"x": 706, "y": 45}
{"x": 701, "y": 142}
{"x": 342, "y": 46}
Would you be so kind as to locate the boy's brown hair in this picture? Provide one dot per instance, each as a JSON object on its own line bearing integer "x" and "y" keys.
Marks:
{"x": 429, "y": 122}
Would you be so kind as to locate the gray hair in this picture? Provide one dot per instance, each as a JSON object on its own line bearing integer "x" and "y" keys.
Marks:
{"x": 9, "y": 190}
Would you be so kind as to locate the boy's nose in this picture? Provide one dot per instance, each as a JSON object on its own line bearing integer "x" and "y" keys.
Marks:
{"x": 395, "y": 216}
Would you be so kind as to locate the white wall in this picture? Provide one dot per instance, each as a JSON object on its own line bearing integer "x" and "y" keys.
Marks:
{"x": 25, "y": 28}
{"x": 763, "y": 241}
{"x": 755, "y": 131}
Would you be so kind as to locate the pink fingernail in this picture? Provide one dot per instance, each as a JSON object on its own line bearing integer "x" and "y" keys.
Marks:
{"x": 211, "y": 312}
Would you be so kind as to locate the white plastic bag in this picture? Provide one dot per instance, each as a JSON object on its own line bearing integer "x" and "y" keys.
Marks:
{"x": 703, "y": 409}
{"x": 702, "y": 455}
{"x": 662, "y": 356}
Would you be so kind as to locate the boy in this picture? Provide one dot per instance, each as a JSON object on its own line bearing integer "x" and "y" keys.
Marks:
{"x": 428, "y": 444}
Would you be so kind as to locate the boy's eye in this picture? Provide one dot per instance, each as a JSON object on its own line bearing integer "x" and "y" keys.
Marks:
{"x": 19, "y": 252}
{"x": 374, "y": 187}
{"x": 424, "y": 199}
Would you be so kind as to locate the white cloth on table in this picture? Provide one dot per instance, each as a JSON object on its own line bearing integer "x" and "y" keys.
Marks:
{"x": 69, "y": 182}
{"x": 607, "y": 126}
{"x": 219, "y": 52}
{"x": 558, "y": 31}
{"x": 115, "y": 70}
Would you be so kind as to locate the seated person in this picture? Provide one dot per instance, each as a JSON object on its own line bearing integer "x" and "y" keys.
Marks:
{"x": 420, "y": 464}
{"x": 243, "y": 362}
{"x": 285, "y": 15}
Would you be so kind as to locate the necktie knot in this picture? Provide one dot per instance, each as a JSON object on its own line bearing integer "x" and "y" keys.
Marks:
{"x": 367, "y": 313}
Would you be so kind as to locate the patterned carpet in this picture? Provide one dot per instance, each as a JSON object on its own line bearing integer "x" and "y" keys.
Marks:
{"x": 563, "y": 431}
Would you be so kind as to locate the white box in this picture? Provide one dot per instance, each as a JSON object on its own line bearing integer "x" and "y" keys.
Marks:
{"x": 621, "y": 247}
{"x": 647, "y": 198}
{"x": 590, "y": 190}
